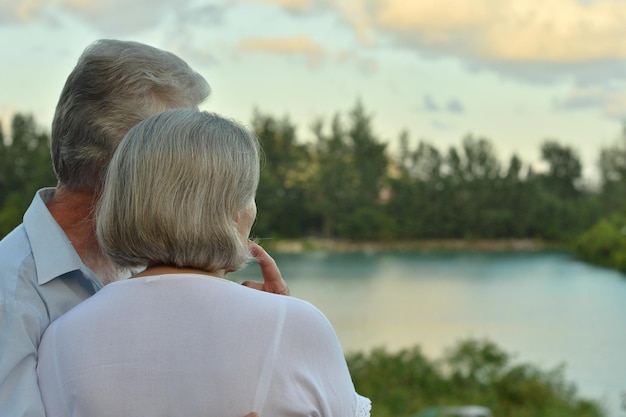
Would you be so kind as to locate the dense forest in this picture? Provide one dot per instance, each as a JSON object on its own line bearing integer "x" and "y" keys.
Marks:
{"x": 343, "y": 182}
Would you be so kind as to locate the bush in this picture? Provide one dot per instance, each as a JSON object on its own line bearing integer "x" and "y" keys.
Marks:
{"x": 473, "y": 372}
{"x": 605, "y": 243}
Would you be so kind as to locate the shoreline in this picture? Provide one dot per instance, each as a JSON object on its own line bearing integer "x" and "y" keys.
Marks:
{"x": 472, "y": 245}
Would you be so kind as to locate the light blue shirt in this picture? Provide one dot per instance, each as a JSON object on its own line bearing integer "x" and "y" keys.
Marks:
{"x": 41, "y": 277}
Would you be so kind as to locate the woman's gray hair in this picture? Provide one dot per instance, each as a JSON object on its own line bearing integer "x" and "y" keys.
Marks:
{"x": 114, "y": 85}
{"x": 174, "y": 188}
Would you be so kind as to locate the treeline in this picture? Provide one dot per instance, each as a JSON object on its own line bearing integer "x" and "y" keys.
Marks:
{"x": 342, "y": 181}
{"x": 472, "y": 372}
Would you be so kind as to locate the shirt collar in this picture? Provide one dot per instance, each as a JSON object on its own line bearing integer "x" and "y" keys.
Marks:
{"x": 53, "y": 253}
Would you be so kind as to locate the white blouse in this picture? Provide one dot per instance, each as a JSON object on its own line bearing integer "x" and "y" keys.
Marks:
{"x": 190, "y": 345}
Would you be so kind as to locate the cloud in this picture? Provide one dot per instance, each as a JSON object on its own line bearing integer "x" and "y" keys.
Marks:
{"x": 429, "y": 104}
{"x": 439, "y": 125}
{"x": 24, "y": 11}
{"x": 355, "y": 13}
{"x": 537, "y": 41}
{"x": 546, "y": 31}
{"x": 455, "y": 106}
{"x": 611, "y": 101}
{"x": 182, "y": 20}
{"x": 290, "y": 4}
{"x": 532, "y": 40}
{"x": 452, "y": 106}
{"x": 364, "y": 64}
{"x": 528, "y": 40}
{"x": 512, "y": 30}
{"x": 300, "y": 45}
{"x": 118, "y": 17}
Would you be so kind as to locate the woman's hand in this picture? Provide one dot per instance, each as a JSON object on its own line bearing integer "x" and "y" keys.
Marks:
{"x": 272, "y": 279}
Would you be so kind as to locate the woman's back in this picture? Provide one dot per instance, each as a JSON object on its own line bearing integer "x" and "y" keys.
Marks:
{"x": 193, "y": 345}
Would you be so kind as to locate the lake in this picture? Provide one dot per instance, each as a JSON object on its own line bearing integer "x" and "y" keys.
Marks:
{"x": 545, "y": 308}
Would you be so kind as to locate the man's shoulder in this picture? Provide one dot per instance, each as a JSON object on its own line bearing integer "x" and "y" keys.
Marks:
{"x": 16, "y": 261}
{"x": 14, "y": 248}
{"x": 13, "y": 240}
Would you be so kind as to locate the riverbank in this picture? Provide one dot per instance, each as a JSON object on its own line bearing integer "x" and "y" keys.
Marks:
{"x": 478, "y": 245}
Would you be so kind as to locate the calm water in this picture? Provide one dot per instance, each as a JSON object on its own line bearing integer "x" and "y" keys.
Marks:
{"x": 545, "y": 308}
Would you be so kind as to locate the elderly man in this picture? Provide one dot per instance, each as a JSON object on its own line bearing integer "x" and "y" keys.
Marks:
{"x": 52, "y": 261}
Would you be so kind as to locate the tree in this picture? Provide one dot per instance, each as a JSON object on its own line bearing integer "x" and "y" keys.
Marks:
{"x": 281, "y": 200}
{"x": 516, "y": 200}
{"x": 419, "y": 202}
{"x": 564, "y": 169}
{"x": 334, "y": 178}
{"x": 351, "y": 168}
{"x": 612, "y": 166}
{"x": 474, "y": 179}
{"x": 370, "y": 161}
{"x": 24, "y": 167}
{"x": 480, "y": 161}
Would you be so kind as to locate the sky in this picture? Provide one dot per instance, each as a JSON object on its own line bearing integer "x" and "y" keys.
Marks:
{"x": 516, "y": 72}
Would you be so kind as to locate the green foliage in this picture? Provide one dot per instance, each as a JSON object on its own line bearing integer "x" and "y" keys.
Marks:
{"x": 367, "y": 223}
{"x": 24, "y": 167}
{"x": 281, "y": 194}
{"x": 343, "y": 182}
{"x": 466, "y": 193}
{"x": 472, "y": 372}
{"x": 350, "y": 168}
{"x": 564, "y": 169}
{"x": 613, "y": 175}
{"x": 397, "y": 384}
{"x": 605, "y": 243}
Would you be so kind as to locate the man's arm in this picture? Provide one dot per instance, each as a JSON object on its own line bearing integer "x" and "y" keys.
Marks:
{"x": 19, "y": 336}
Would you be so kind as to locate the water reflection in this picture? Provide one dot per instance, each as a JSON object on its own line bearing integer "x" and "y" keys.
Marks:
{"x": 547, "y": 308}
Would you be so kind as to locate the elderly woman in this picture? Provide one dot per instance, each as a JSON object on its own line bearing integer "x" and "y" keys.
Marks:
{"x": 179, "y": 339}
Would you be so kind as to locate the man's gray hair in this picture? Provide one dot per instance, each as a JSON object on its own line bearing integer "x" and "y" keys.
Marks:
{"x": 114, "y": 85}
{"x": 174, "y": 188}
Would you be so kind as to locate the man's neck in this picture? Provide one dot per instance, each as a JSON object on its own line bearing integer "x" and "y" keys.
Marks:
{"x": 74, "y": 211}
